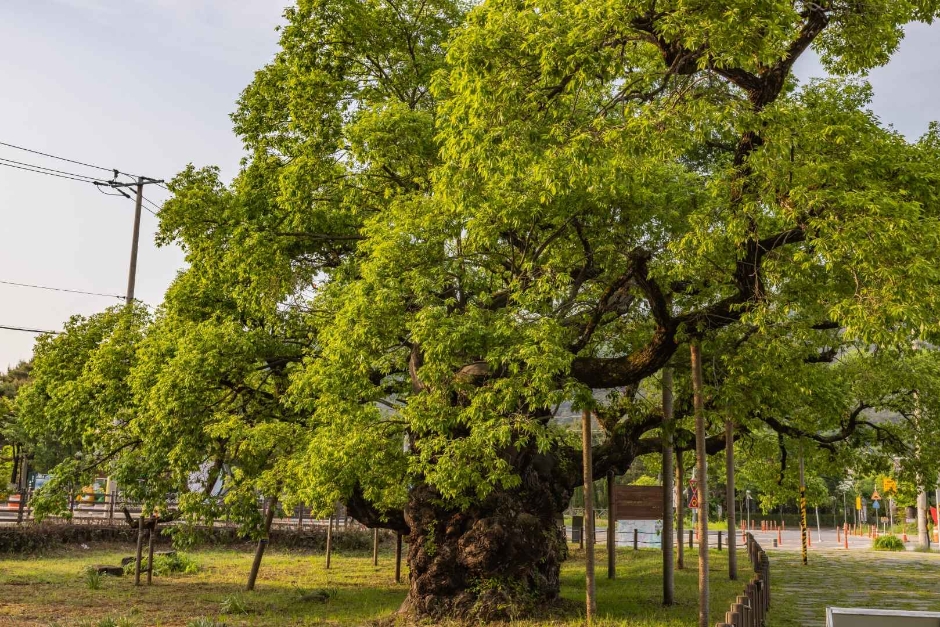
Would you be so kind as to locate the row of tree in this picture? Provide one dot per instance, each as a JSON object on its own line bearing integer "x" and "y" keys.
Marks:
{"x": 451, "y": 220}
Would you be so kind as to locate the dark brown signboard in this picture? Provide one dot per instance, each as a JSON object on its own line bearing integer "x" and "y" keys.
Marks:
{"x": 635, "y": 502}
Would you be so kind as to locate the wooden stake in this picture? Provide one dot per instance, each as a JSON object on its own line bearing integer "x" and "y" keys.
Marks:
{"x": 329, "y": 541}
{"x": 375, "y": 547}
{"x": 153, "y": 530}
{"x": 140, "y": 548}
{"x": 398, "y": 558}
{"x": 611, "y": 530}
{"x": 586, "y": 444}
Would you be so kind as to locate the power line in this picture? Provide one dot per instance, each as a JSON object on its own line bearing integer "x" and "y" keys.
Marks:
{"x": 61, "y": 176}
{"x": 40, "y": 167}
{"x": 25, "y": 330}
{"x": 45, "y": 154}
{"x": 61, "y": 289}
{"x": 152, "y": 204}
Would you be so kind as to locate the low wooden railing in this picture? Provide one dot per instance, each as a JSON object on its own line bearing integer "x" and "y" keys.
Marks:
{"x": 750, "y": 609}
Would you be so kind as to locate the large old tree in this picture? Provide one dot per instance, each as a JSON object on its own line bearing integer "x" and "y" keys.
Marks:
{"x": 451, "y": 220}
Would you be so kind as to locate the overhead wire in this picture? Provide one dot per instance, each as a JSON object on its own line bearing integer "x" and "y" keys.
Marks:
{"x": 46, "y": 154}
{"x": 41, "y": 167}
{"x": 61, "y": 176}
{"x": 27, "y": 330}
{"x": 61, "y": 289}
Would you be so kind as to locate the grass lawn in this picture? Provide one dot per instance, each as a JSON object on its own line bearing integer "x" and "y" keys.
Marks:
{"x": 51, "y": 590}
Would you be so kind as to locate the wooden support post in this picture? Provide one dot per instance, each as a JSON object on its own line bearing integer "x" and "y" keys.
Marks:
{"x": 636, "y": 539}
{"x": 668, "y": 537}
{"x": 140, "y": 548}
{"x": 398, "y": 558}
{"x": 329, "y": 541}
{"x": 719, "y": 539}
{"x": 680, "y": 512}
{"x": 611, "y": 530}
{"x": 701, "y": 460}
{"x": 150, "y": 534}
{"x": 730, "y": 501}
{"x": 586, "y": 446}
{"x": 375, "y": 547}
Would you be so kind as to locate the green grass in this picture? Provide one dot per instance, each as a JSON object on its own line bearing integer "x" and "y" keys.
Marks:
{"x": 296, "y": 589}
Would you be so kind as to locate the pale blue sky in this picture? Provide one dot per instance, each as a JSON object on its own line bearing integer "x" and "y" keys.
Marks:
{"x": 146, "y": 86}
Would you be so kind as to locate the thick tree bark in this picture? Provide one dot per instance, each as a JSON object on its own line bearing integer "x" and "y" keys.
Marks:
{"x": 495, "y": 560}
{"x": 702, "y": 467}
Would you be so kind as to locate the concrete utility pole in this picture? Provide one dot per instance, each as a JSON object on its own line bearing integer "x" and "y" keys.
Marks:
{"x": 135, "y": 242}
{"x": 110, "y": 488}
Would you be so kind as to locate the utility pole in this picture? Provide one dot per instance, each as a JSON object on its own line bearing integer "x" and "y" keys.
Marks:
{"x": 135, "y": 240}
{"x": 110, "y": 488}
{"x": 132, "y": 271}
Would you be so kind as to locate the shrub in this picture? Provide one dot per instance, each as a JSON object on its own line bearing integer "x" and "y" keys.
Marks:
{"x": 174, "y": 563}
{"x": 233, "y": 604}
{"x": 92, "y": 578}
{"x": 204, "y": 621}
{"x": 888, "y": 543}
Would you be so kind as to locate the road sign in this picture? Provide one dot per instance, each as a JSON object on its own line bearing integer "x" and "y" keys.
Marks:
{"x": 875, "y": 496}
{"x": 890, "y": 486}
{"x": 876, "y": 504}
{"x": 858, "y": 503}
{"x": 693, "y": 502}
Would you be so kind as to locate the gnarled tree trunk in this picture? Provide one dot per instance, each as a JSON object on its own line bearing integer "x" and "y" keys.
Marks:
{"x": 492, "y": 561}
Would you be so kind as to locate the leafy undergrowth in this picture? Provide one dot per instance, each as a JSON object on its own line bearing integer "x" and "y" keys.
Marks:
{"x": 888, "y": 543}
{"x": 294, "y": 588}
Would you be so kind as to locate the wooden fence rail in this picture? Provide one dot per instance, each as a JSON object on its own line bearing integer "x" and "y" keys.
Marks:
{"x": 750, "y": 609}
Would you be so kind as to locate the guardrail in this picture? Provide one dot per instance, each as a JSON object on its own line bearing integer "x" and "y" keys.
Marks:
{"x": 750, "y": 609}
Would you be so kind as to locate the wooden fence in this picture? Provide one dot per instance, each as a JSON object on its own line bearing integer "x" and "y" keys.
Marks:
{"x": 750, "y": 609}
